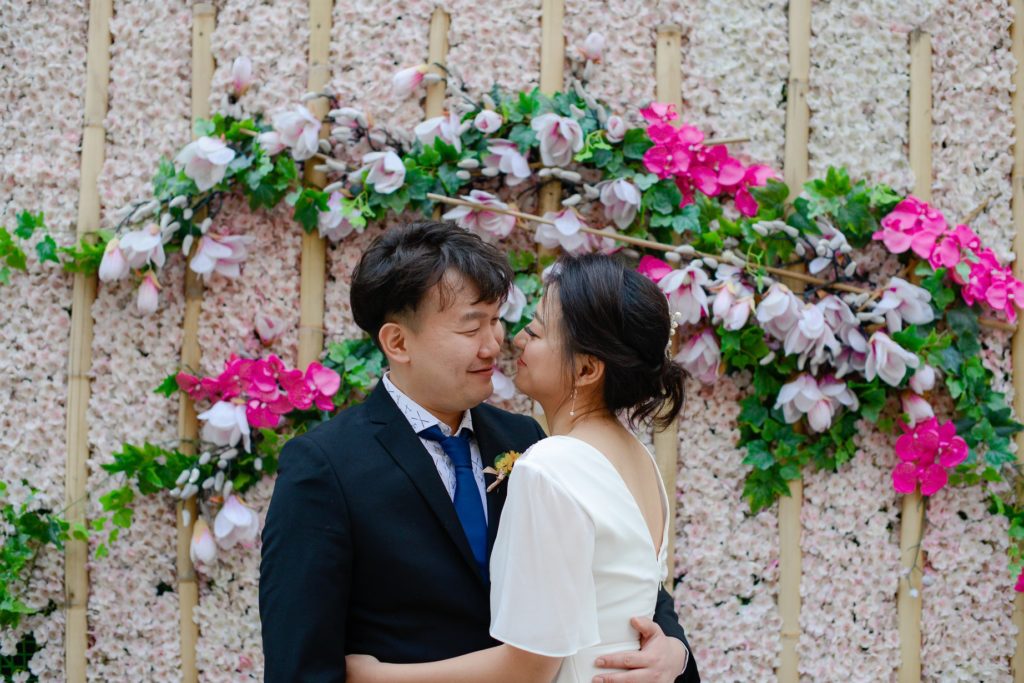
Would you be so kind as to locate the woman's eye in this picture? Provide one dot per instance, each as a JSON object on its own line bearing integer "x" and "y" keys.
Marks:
{"x": 528, "y": 330}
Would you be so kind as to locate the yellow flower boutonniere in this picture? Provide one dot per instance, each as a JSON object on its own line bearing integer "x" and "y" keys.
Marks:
{"x": 502, "y": 468}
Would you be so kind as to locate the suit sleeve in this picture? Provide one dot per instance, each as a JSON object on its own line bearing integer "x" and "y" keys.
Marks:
{"x": 306, "y": 570}
{"x": 665, "y": 616}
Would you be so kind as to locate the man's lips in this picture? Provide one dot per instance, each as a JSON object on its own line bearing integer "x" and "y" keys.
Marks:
{"x": 483, "y": 371}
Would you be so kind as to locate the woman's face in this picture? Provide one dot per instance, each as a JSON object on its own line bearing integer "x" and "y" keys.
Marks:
{"x": 541, "y": 371}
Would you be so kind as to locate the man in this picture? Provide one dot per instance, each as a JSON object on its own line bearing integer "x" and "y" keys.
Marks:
{"x": 377, "y": 535}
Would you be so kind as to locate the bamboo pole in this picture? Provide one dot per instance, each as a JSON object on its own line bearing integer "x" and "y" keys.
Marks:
{"x": 314, "y": 248}
{"x": 795, "y": 174}
{"x": 76, "y": 573}
{"x": 668, "y": 88}
{"x": 912, "y": 518}
{"x": 203, "y": 19}
{"x": 438, "y": 54}
{"x": 1017, "y": 663}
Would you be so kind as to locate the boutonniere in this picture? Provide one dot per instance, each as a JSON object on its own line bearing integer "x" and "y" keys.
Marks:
{"x": 502, "y": 468}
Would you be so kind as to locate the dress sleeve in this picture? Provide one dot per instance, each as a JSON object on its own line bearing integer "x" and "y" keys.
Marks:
{"x": 542, "y": 583}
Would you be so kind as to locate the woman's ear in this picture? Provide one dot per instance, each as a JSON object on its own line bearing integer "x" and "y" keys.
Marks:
{"x": 589, "y": 371}
{"x": 393, "y": 343}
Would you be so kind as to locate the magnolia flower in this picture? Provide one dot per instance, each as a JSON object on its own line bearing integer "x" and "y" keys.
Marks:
{"x": 838, "y": 392}
{"x": 340, "y": 219}
{"x": 565, "y": 232}
{"x": 504, "y": 388}
{"x": 235, "y": 523}
{"x": 144, "y": 246}
{"x": 701, "y": 356}
{"x": 686, "y": 295}
{"x": 916, "y": 408}
{"x": 487, "y": 121}
{"x": 221, "y": 254}
{"x": 923, "y": 380}
{"x": 592, "y": 47}
{"x": 621, "y": 199}
{"x": 904, "y": 301}
{"x": 225, "y": 424}
{"x": 810, "y": 337}
{"x": 560, "y": 137}
{"x": 504, "y": 156}
{"x": 513, "y": 306}
{"x": 300, "y": 130}
{"x": 114, "y": 265}
{"x": 480, "y": 220}
{"x": 202, "y": 548}
{"x": 802, "y": 397}
{"x": 849, "y": 361}
{"x": 241, "y": 75}
{"x": 271, "y": 142}
{"x": 843, "y": 322}
{"x": 888, "y": 360}
{"x": 779, "y": 311}
{"x": 149, "y": 294}
{"x": 386, "y": 171}
{"x": 448, "y": 128}
{"x": 404, "y": 82}
{"x": 615, "y": 129}
{"x": 269, "y": 328}
{"x": 205, "y": 161}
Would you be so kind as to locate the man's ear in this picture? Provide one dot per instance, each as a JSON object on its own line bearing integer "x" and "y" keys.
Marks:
{"x": 393, "y": 340}
{"x": 589, "y": 371}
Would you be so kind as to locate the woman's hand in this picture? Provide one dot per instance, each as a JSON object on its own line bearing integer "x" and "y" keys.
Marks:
{"x": 363, "y": 669}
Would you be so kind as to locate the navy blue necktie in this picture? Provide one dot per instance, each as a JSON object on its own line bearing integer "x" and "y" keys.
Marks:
{"x": 468, "y": 506}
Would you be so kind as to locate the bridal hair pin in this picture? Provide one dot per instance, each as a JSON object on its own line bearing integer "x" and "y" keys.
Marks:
{"x": 673, "y": 326}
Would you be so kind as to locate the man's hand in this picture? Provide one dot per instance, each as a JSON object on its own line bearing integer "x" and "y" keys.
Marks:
{"x": 660, "y": 659}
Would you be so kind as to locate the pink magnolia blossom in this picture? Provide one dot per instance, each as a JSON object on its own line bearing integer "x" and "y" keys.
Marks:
{"x": 811, "y": 337}
{"x": 592, "y": 47}
{"x": 235, "y": 523}
{"x": 149, "y": 294}
{"x": 734, "y": 301}
{"x": 844, "y": 324}
{"x": 202, "y": 548}
{"x": 114, "y": 265}
{"x": 386, "y": 172}
{"x": 481, "y": 220}
{"x": 565, "y": 232}
{"x": 779, "y": 311}
{"x": 205, "y": 161}
{"x": 802, "y": 397}
{"x": 515, "y": 303}
{"x": 225, "y": 424}
{"x": 298, "y": 129}
{"x": 487, "y": 121}
{"x": 560, "y": 138}
{"x": 926, "y": 451}
{"x": 504, "y": 387}
{"x": 903, "y": 301}
{"x": 916, "y": 408}
{"x": 620, "y": 199}
{"x": 923, "y": 380}
{"x": 653, "y": 268}
{"x": 340, "y": 219}
{"x": 405, "y": 82}
{"x": 222, "y": 254}
{"x": 701, "y": 356}
{"x": 686, "y": 294}
{"x": 615, "y": 128}
{"x": 448, "y": 128}
{"x": 269, "y": 328}
{"x": 241, "y": 75}
{"x": 271, "y": 142}
{"x": 888, "y": 360}
{"x": 142, "y": 247}
{"x": 504, "y": 157}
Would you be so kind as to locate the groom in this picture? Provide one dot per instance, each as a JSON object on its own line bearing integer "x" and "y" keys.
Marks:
{"x": 373, "y": 543}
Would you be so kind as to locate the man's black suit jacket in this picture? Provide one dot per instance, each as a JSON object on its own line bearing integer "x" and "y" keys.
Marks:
{"x": 363, "y": 551}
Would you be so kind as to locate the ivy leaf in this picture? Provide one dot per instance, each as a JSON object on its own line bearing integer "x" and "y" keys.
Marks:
{"x": 524, "y": 137}
{"x": 663, "y": 197}
{"x": 168, "y": 386}
{"x": 636, "y": 143}
{"x": 27, "y": 224}
{"x": 308, "y": 207}
{"x": 46, "y": 249}
{"x": 759, "y": 455}
{"x": 203, "y": 127}
{"x": 644, "y": 180}
{"x": 771, "y": 199}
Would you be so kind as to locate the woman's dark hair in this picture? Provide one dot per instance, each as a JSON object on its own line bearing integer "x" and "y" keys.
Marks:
{"x": 621, "y": 318}
{"x": 399, "y": 268}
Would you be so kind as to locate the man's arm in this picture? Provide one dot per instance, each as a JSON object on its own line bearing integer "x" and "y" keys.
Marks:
{"x": 665, "y": 616}
{"x": 305, "y": 572}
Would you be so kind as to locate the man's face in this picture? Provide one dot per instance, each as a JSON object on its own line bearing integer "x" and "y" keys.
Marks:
{"x": 452, "y": 350}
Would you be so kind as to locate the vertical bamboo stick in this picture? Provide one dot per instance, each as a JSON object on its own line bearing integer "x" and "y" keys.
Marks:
{"x": 795, "y": 173}
{"x": 314, "y": 249}
{"x": 438, "y": 54}
{"x": 1017, "y": 664}
{"x": 76, "y": 576}
{"x": 203, "y": 19}
{"x": 912, "y": 517}
{"x": 668, "y": 87}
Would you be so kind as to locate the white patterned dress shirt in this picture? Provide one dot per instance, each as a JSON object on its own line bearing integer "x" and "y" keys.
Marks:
{"x": 419, "y": 419}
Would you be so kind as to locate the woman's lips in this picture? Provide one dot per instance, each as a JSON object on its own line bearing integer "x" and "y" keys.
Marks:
{"x": 520, "y": 362}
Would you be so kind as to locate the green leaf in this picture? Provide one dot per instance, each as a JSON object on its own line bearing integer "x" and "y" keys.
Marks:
{"x": 308, "y": 207}
{"x": 122, "y": 518}
{"x": 168, "y": 386}
{"x": 636, "y": 143}
{"x": 203, "y": 127}
{"x": 663, "y": 197}
{"x": 644, "y": 180}
{"x": 450, "y": 179}
{"x": 523, "y": 136}
{"x": 46, "y": 249}
{"x": 27, "y": 224}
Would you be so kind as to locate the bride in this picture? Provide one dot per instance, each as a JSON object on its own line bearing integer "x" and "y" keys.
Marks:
{"x": 581, "y": 546}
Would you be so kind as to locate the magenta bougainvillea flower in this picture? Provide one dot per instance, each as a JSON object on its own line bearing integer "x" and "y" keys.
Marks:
{"x": 926, "y": 452}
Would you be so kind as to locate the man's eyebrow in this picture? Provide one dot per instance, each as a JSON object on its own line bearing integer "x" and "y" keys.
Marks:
{"x": 474, "y": 315}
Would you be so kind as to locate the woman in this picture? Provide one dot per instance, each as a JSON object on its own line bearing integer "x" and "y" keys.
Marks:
{"x": 581, "y": 547}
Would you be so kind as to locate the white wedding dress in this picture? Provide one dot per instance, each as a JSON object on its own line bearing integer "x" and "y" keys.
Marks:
{"x": 573, "y": 560}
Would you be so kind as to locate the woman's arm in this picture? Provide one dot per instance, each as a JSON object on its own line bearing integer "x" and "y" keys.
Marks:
{"x": 501, "y": 664}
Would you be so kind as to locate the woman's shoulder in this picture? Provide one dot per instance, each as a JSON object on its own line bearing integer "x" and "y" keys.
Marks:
{"x": 555, "y": 457}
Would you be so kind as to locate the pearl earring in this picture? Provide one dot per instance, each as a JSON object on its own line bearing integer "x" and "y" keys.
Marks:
{"x": 572, "y": 408}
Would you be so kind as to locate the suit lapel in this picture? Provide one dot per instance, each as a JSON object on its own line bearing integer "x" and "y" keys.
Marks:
{"x": 396, "y": 436}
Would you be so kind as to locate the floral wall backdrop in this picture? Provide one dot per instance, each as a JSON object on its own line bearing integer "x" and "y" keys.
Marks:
{"x": 735, "y": 67}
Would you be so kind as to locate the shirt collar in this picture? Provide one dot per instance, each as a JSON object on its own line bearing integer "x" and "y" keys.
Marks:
{"x": 420, "y": 418}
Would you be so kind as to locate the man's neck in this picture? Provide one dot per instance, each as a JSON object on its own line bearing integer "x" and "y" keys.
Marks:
{"x": 453, "y": 420}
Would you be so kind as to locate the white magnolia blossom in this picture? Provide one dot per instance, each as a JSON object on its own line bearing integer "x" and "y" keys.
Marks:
{"x": 241, "y": 75}
{"x": 818, "y": 400}
{"x": 487, "y": 121}
{"x": 843, "y": 322}
{"x": 271, "y": 142}
{"x": 448, "y": 128}
{"x": 405, "y": 81}
{"x": 504, "y": 157}
{"x": 222, "y": 254}
{"x": 480, "y": 220}
{"x": 142, "y": 247}
{"x": 903, "y": 301}
{"x": 504, "y": 387}
{"x": 811, "y": 337}
{"x": 592, "y": 47}
{"x": 148, "y": 297}
{"x": 235, "y": 523}
{"x": 701, "y": 356}
{"x": 386, "y": 172}
{"x": 888, "y": 360}
{"x": 565, "y": 233}
{"x": 560, "y": 137}
{"x": 734, "y": 300}
{"x": 779, "y": 311}
{"x": 615, "y": 128}
{"x": 202, "y": 548}
{"x": 335, "y": 223}
{"x": 225, "y": 424}
{"x": 205, "y": 161}
{"x": 849, "y": 361}
{"x": 686, "y": 294}
{"x": 114, "y": 265}
{"x": 621, "y": 199}
{"x": 923, "y": 379}
{"x": 298, "y": 129}
{"x": 269, "y": 328}
{"x": 513, "y": 306}
{"x": 916, "y": 408}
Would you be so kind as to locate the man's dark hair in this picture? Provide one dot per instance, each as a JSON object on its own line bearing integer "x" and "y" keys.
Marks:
{"x": 403, "y": 264}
